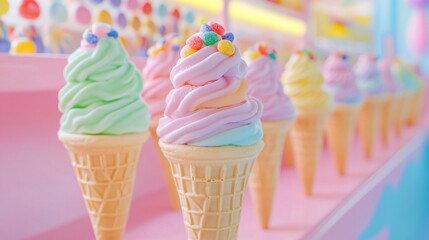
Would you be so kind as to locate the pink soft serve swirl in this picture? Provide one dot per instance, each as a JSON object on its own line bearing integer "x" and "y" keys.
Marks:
{"x": 205, "y": 75}
{"x": 263, "y": 76}
{"x": 156, "y": 75}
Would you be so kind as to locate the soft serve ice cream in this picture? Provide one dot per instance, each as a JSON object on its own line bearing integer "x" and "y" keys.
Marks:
{"x": 209, "y": 105}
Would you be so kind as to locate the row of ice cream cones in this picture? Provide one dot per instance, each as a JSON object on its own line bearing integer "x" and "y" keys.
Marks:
{"x": 205, "y": 179}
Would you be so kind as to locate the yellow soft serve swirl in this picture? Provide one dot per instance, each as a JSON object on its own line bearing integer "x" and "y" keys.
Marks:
{"x": 303, "y": 82}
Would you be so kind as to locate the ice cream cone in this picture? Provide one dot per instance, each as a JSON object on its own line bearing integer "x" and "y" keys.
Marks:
{"x": 368, "y": 117}
{"x": 339, "y": 131}
{"x": 399, "y": 101}
{"x": 263, "y": 179}
{"x": 416, "y": 107}
{"x": 307, "y": 137}
{"x": 165, "y": 165}
{"x": 408, "y": 105}
{"x": 211, "y": 182}
{"x": 288, "y": 152}
{"x": 387, "y": 115}
{"x": 105, "y": 168}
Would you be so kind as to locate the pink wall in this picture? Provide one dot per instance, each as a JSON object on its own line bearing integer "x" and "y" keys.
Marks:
{"x": 33, "y": 163}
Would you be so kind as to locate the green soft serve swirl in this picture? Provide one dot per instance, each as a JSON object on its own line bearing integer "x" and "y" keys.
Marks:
{"x": 102, "y": 94}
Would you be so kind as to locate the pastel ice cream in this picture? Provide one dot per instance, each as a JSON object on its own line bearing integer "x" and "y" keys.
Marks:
{"x": 264, "y": 83}
{"x": 340, "y": 80}
{"x": 102, "y": 93}
{"x": 162, "y": 58}
{"x": 389, "y": 81}
{"x": 368, "y": 77}
{"x": 209, "y": 105}
{"x": 303, "y": 82}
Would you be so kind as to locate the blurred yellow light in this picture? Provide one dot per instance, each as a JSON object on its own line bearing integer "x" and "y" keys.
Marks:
{"x": 249, "y": 13}
{"x": 265, "y": 18}
{"x": 213, "y": 6}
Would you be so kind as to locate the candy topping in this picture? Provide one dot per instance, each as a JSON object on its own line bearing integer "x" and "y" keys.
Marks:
{"x": 171, "y": 40}
{"x": 98, "y": 31}
{"x": 260, "y": 49}
{"x": 210, "y": 34}
{"x": 306, "y": 52}
{"x": 210, "y": 38}
{"x": 226, "y": 47}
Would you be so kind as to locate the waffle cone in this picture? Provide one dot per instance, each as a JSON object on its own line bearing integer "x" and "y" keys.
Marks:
{"x": 211, "y": 182}
{"x": 387, "y": 113}
{"x": 165, "y": 165}
{"x": 307, "y": 137}
{"x": 288, "y": 151}
{"x": 408, "y": 105}
{"x": 339, "y": 132}
{"x": 105, "y": 169}
{"x": 399, "y": 101}
{"x": 368, "y": 117}
{"x": 416, "y": 108}
{"x": 265, "y": 171}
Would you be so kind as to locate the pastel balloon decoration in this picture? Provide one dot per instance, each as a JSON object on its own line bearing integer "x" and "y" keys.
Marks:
{"x": 58, "y": 12}
{"x": 4, "y": 42}
{"x": 121, "y": 20}
{"x": 135, "y": 23}
{"x": 81, "y": 14}
{"x": 116, "y": 3}
{"x": 161, "y": 10}
{"x": 189, "y": 17}
{"x": 150, "y": 26}
{"x": 96, "y": 1}
{"x": 29, "y": 9}
{"x": 104, "y": 17}
{"x": 418, "y": 28}
{"x": 147, "y": 8}
{"x": 23, "y": 45}
{"x": 131, "y": 4}
{"x": 4, "y": 7}
{"x": 175, "y": 13}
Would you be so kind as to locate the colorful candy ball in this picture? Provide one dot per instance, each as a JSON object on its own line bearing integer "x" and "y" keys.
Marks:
{"x": 121, "y": 19}
{"x": 147, "y": 8}
{"x": 4, "y": 45}
{"x": 187, "y": 51}
{"x": 4, "y": 7}
{"x": 217, "y": 28}
{"x": 29, "y": 9}
{"x": 195, "y": 42}
{"x": 226, "y": 47}
{"x": 23, "y": 45}
{"x": 205, "y": 28}
{"x": 210, "y": 38}
{"x": 116, "y": 3}
{"x": 228, "y": 36}
{"x": 104, "y": 17}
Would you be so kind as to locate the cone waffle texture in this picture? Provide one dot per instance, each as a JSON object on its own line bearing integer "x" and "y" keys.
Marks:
{"x": 339, "y": 132}
{"x": 416, "y": 108}
{"x": 265, "y": 171}
{"x": 307, "y": 137}
{"x": 165, "y": 165}
{"x": 368, "y": 119}
{"x": 406, "y": 110}
{"x": 288, "y": 151}
{"x": 105, "y": 169}
{"x": 211, "y": 182}
{"x": 387, "y": 117}
{"x": 399, "y": 101}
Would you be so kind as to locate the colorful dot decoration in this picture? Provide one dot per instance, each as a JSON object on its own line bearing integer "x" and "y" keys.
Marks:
{"x": 210, "y": 34}
{"x": 172, "y": 41}
{"x": 342, "y": 56}
{"x": 98, "y": 31}
{"x": 261, "y": 49}
{"x": 306, "y": 52}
